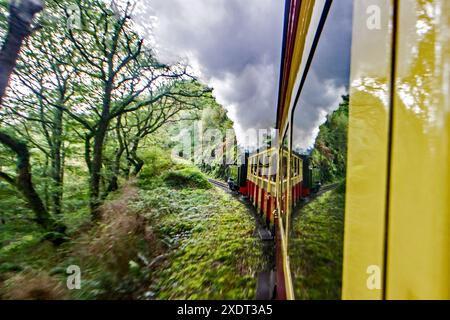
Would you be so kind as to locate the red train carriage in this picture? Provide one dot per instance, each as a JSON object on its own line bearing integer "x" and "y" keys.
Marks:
{"x": 256, "y": 179}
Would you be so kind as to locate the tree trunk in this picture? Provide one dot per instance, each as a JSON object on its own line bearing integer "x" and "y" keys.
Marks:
{"x": 57, "y": 168}
{"x": 138, "y": 166}
{"x": 115, "y": 172}
{"x": 24, "y": 183}
{"x": 19, "y": 21}
{"x": 138, "y": 163}
{"x": 96, "y": 167}
{"x": 19, "y": 27}
{"x": 97, "y": 152}
{"x": 46, "y": 192}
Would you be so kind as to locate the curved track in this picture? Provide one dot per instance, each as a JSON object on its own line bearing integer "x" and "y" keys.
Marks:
{"x": 220, "y": 184}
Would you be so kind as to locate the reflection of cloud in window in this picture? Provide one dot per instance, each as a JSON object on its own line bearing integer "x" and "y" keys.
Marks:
{"x": 328, "y": 78}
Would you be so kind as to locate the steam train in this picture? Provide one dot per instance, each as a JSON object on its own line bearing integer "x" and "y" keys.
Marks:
{"x": 397, "y": 210}
{"x": 255, "y": 179}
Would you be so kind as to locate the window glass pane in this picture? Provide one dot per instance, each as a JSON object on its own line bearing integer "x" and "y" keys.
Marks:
{"x": 319, "y": 141}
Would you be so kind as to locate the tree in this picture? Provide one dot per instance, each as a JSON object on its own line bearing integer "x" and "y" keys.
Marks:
{"x": 182, "y": 103}
{"x": 49, "y": 83}
{"x": 21, "y": 15}
{"x": 95, "y": 85}
{"x": 123, "y": 75}
{"x": 330, "y": 149}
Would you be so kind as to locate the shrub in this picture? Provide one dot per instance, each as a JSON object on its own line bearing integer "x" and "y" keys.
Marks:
{"x": 156, "y": 161}
{"x": 33, "y": 285}
{"x": 106, "y": 253}
{"x": 186, "y": 178}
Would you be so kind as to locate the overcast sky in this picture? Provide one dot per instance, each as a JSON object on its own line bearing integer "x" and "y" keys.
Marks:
{"x": 235, "y": 46}
{"x": 328, "y": 78}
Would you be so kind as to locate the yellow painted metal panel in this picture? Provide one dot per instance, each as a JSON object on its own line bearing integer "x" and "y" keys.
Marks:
{"x": 306, "y": 11}
{"x": 367, "y": 149}
{"x": 419, "y": 215}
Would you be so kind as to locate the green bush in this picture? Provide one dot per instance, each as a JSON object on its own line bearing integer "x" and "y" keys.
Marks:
{"x": 330, "y": 149}
{"x": 186, "y": 178}
{"x": 157, "y": 161}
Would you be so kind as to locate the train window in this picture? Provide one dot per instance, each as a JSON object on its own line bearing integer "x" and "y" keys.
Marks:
{"x": 318, "y": 161}
{"x": 273, "y": 165}
{"x": 259, "y": 166}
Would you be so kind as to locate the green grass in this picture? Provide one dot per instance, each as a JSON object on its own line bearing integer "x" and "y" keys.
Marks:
{"x": 189, "y": 177}
{"x": 171, "y": 236}
{"x": 316, "y": 247}
{"x": 211, "y": 251}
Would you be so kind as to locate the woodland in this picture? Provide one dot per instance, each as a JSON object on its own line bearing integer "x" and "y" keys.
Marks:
{"x": 87, "y": 178}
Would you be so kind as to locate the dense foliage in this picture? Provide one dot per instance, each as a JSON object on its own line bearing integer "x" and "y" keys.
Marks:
{"x": 86, "y": 174}
{"x": 154, "y": 241}
{"x": 330, "y": 150}
{"x": 317, "y": 247}
{"x": 80, "y": 107}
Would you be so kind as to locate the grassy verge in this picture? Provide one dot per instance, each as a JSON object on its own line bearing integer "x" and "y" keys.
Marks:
{"x": 210, "y": 250}
{"x": 316, "y": 247}
{"x": 168, "y": 235}
{"x": 207, "y": 236}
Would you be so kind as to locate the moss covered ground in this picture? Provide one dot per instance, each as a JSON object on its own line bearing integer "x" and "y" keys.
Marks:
{"x": 316, "y": 247}
{"x": 211, "y": 250}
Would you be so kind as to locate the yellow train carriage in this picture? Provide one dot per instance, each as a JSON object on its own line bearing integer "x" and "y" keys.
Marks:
{"x": 397, "y": 218}
{"x": 262, "y": 182}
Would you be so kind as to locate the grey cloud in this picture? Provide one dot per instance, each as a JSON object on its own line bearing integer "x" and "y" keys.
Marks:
{"x": 236, "y": 46}
{"x": 328, "y": 78}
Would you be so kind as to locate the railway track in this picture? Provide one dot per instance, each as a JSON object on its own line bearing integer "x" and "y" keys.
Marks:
{"x": 219, "y": 184}
{"x": 326, "y": 188}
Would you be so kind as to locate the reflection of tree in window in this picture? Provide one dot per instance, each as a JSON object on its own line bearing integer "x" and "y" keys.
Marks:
{"x": 320, "y": 122}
